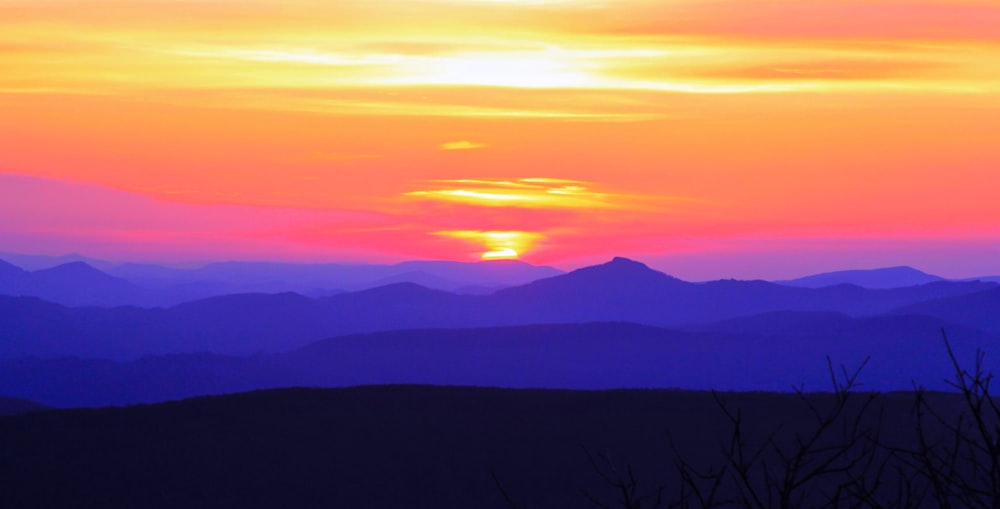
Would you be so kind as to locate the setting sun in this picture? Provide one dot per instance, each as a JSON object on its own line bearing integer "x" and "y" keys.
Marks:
{"x": 202, "y": 197}
{"x": 554, "y": 131}
{"x": 498, "y": 244}
{"x": 500, "y": 254}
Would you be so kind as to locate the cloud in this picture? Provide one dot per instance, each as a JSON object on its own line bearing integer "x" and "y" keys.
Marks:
{"x": 462, "y": 145}
{"x": 536, "y": 193}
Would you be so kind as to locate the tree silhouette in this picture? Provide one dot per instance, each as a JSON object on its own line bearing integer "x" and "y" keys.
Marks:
{"x": 844, "y": 458}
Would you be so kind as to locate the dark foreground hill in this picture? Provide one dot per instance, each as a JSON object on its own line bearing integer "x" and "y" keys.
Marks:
{"x": 14, "y": 406}
{"x": 750, "y": 354}
{"x": 391, "y": 446}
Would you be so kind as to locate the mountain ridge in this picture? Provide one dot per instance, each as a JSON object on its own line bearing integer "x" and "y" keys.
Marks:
{"x": 880, "y": 278}
{"x": 619, "y": 290}
{"x": 899, "y": 351}
{"x": 78, "y": 283}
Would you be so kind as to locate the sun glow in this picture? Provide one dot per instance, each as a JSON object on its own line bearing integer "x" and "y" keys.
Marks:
{"x": 677, "y": 126}
{"x": 553, "y": 207}
{"x": 530, "y": 70}
{"x": 501, "y": 254}
{"x": 499, "y": 245}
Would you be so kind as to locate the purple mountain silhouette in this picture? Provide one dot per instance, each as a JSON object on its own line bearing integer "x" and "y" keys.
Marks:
{"x": 618, "y": 291}
{"x": 754, "y": 355}
{"x": 80, "y": 284}
{"x": 73, "y": 284}
{"x": 889, "y": 277}
{"x": 980, "y": 309}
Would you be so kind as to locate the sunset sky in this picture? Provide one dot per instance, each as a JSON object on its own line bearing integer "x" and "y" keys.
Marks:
{"x": 727, "y": 138}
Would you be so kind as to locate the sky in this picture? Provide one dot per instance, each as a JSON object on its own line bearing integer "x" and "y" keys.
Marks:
{"x": 724, "y": 138}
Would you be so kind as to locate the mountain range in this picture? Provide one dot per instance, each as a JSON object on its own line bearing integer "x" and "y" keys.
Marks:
{"x": 617, "y": 324}
{"x": 737, "y": 355}
{"x": 620, "y": 290}
{"x": 78, "y": 283}
{"x": 888, "y": 277}
{"x": 162, "y": 285}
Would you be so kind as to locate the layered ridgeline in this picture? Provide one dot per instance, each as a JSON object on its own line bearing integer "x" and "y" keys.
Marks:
{"x": 889, "y": 277}
{"x": 619, "y": 324}
{"x": 760, "y": 353}
{"x": 618, "y": 291}
{"x": 78, "y": 281}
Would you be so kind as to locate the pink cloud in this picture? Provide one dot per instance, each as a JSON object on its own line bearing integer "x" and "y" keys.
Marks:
{"x": 54, "y": 216}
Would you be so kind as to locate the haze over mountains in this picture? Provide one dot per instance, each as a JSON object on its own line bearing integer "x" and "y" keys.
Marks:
{"x": 889, "y": 277}
{"x": 622, "y": 325}
{"x": 621, "y": 290}
{"x": 76, "y": 281}
{"x": 750, "y": 355}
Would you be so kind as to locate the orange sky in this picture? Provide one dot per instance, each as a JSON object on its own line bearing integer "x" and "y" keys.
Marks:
{"x": 690, "y": 132}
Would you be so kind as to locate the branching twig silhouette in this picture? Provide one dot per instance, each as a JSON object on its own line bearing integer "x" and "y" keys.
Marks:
{"x": 958, "y": 456}
{"x": 842, "y": 458}
{"x": 624, "y": 483}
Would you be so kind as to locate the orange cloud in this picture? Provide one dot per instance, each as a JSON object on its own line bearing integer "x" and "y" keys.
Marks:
{"x": 527, "y": 192}
{"x": 847, "y": 116}
{"x": 461, "y": 145}
{"x": 600, "y": 56}
{"x": 499, "y": 211}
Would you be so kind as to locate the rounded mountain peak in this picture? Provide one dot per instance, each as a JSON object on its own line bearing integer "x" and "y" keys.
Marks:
{"x": 624, "y": 268}
{"x": 625, "y": 262}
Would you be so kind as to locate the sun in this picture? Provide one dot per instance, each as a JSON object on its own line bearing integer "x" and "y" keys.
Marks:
{"x": 505, "y": 253}
{"x": 499, "y": 245}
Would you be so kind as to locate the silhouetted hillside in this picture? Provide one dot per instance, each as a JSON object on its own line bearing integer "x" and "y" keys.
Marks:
{"x": 77, "y": 283}
{"x": 621, "y": 290}
{"x": 757, "y": 354}
{"x": 9, "y": 273}
{"x": 494, "y": 273}
{"x": 72, "y": 284}
{"x": 626, "y": 290}
{"x": 40, "y": 262}
{"x": 33, "y": 327}
{"x": 14, "y": 406}
{"x": 425, "y": 279}
{"x": 980, "y": 309}
{"x": 274, "y": 277}
{"x": 889, "y": 277}
{"x": 382, "y": 447}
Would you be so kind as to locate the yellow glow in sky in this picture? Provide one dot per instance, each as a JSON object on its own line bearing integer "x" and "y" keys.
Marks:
{"x": 529, "y": 192}
{"x": 497, "y": 244}
{"x": 660, "y": 123}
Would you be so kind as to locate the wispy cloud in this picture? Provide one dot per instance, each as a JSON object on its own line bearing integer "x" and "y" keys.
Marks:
{"x": 510, "y": 217}
{"x": 885, "y": 108}
{"x": 584, "y": 50}
{"x": 539, "y": 193}
{"x": 462, "y": 145}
